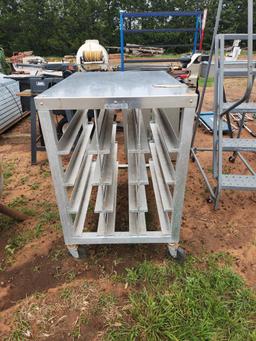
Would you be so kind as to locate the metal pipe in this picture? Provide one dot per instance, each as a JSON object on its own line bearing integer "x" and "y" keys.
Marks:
{"x": 203, "y": 173}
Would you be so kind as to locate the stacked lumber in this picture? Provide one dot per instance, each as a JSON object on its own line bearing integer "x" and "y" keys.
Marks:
{"x": 140, "y": 50}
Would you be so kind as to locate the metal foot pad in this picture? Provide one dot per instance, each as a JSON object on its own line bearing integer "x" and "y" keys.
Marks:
{"x": 73, "y": 250}
{"x": 177, "y": 252}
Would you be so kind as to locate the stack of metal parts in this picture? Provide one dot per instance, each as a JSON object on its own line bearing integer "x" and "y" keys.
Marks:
{"x": 158, "y": 114}
{"x": 10, "y": 105}
{"x": 234, "y": 144}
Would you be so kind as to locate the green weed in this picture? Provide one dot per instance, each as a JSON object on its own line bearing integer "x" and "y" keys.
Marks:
{"x": 34, "y": 186}
{"x": 8, "y": 169}
{"x": 210, "y": 82}
{"x": 201, "y": 300}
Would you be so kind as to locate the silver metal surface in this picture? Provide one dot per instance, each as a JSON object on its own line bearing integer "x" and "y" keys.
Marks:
{"x": 247, "y": 145}
{"x": 244, "y": 107}
{"x": 239, "y": 182}
{"x": 139, "y": 89}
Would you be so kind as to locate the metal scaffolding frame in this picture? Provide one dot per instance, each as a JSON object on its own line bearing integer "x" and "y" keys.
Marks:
{"x": 197, "y": 29}
{"x": 157, "y": 144}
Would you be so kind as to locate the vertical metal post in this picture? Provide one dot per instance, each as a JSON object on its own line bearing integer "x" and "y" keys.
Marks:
{"x": 250, "y": 42}
{"x": 196, "y": 34}
{"x": 220, "y": 120}
{"x": 51, "y": 141}
{"x": 215, "y": 107}
{"x": 181, "y": 172}
{"x": 33, "y": 131}
{"x": 122, "y": 39}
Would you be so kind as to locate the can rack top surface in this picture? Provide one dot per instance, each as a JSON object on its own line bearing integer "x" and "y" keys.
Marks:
{"x": 134, "y": 89}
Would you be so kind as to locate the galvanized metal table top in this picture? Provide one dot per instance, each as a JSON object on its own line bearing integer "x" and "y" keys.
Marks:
{"x": 132, "y": 89}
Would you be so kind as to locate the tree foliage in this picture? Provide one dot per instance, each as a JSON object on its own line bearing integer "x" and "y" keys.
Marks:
{"x": 57, "y": 27}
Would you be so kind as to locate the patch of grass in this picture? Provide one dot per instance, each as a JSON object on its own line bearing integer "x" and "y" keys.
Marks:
{"x": 6, "y": 222}
{"x": 34, "y": 186}
{"x": 58, "y": 254}
{"x": 76, "y": 332}
{"x": 50, "y": 214}
{"x": 66, "y": 294}
{"x": 22, "y": 329}
{"x": 19, "y": 202}
{"x": 46, "y": 173}
{"x": 210, "y": 82}
{"x": 70, "y": 276}
{"x": 28, "y": 211}
{"x": 19, "y": 240}
{"x": 8, "y": 169}
{"x": 106, "y": 299}
{"x": 24, "y": 179}
{"x": 197, "y": 301}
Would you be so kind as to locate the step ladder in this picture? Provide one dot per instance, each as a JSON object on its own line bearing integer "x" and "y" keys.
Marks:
{"x": 236, "y": 146}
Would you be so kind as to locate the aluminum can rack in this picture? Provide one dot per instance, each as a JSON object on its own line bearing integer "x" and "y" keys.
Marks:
{"x": 157, "y": 114}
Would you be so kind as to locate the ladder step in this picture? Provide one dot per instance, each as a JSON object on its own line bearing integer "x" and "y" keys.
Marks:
{"x": 244, "y": 107}
{"x": 137, "y": 199}
{"x": 137, "y": 175}
{"x": 166, "y": 131}
{"x": 237, "y": 72}
{"x": 164, "y": 157}
{"x": 135, "y": 127}
{"x": 239, "y": 182}
{"x": 246, "y": 145}
{"x": 106, "y": 197}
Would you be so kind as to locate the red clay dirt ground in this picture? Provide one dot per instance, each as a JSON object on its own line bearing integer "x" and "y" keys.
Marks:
{"x": 50, "y": 289}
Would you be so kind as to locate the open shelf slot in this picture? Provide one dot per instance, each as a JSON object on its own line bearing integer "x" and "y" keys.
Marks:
{"x": 80, "y": 185}
{"x": 105, "y": 164}
{"x": 105, "y": 128}
{"x": 77, "y": 156}
{"x": 163, "y": 216}
{"x": 137, "y": 138}
{"x": 67, "y": 140}
{"x": 164, "y": 190}
{"x": 137, "y": 223}
{"x": 137, "y": 171}
{"x": 106, "y": 197}
{"x": 163, "y": 156}
{"x": 166, "y": 131}
{"x": 84, "y": 202}
{"x": 137, "y": 199}
{"x": 106, "y": 223}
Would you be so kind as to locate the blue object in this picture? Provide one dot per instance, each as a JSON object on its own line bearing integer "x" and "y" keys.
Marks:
{"x": 122, "y": 39}
{"x": 206, "y": 118}
{"x": 196, "y": 30}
